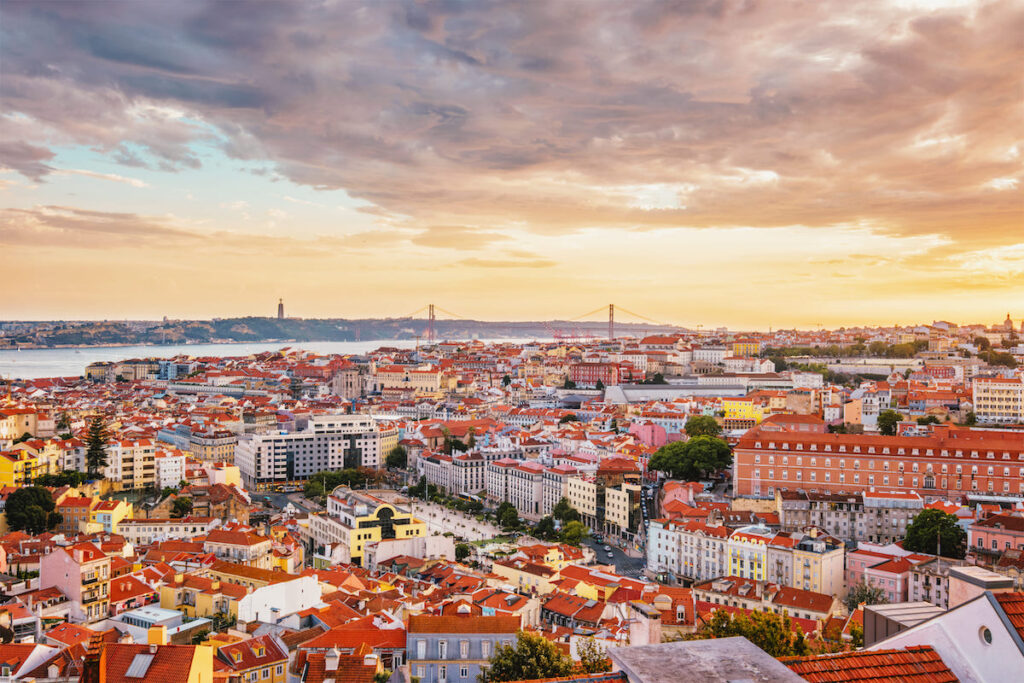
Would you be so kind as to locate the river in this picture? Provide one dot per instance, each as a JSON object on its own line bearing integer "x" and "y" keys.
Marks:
{"x": 35, "y": 363}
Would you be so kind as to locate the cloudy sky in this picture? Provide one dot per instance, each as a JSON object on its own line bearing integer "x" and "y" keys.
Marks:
{"x": 747, "y": 163}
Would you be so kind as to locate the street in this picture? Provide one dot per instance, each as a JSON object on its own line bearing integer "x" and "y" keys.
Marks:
{"x": 632, "y": 567}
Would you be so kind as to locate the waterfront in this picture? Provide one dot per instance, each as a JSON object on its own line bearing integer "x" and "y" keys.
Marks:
{"x": 71, "y": 362}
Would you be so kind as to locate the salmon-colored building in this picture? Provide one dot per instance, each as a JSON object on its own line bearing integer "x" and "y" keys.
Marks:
{"x": 949, "y": 461}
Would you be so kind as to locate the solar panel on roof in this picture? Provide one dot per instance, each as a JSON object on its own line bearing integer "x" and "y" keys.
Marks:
{"x": 139, "y": 666}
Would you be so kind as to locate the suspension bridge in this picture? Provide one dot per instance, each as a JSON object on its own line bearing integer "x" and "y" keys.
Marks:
{"x": 568, "y": 332}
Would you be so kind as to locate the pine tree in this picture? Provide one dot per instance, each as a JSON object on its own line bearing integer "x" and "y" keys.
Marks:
{"x": 96, "y": 454}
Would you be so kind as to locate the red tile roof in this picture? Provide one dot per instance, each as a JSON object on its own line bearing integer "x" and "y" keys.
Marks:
{"x": 170, "y": 663}
{"x": 914, "y": 665}
{"x": 1012, "y": 605}
{"x": 423, "y": 623}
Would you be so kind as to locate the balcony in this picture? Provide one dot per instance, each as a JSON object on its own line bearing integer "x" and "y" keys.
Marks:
{"x": 88, "y": 580}
{"x": 96, "y": 597}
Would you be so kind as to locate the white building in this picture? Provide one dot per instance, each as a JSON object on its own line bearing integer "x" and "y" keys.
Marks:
{"x": 998, "y": 400}
{"x": 330, "y": 442}
{"x": 170, "y": 470}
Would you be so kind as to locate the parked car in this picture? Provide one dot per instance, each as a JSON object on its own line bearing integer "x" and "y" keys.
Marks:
{"x": 608, "y": 548}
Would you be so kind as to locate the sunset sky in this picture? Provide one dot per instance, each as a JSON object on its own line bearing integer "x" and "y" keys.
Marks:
{"x": 744, "y": 163}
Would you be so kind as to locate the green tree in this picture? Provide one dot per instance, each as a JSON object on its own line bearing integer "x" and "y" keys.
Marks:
{"x": 571, "y": 417}
{"x": 932, "y": 526}
{"x": 887, "y": 421}
{"x": 694, "y": 459}
{"x": 508, "y": 516}
{"x": 771, "y": 632}
{"x": 30, "y": 509}
{"x": 96, "y": 448}
{"x": 564, "y": 511}
{"x": 181, "y": 507}
{"x": 506, "y": 380}
{"x": 971, "y": 419}
{"x": 545, "y": 529}
{"x": 462, "y": 551}
{"x": 531, "y": 657}
{"x": 599, "y": 386}
{"x": 397, "y": 458}
{"x": 702, "y": 425}
{"x": 928, "y": 420}
{"x": 877, "y": 348}
{"x": 573, "y": 533}
{"x": 982, "y": 343}
{"x": 593, "y": 657}
{"x": 65, "y": 478}
{"x": 856, "y": 636}
{"x": 63, "y": 423}
{"x": 866, "y": 593}
{"x": 23, "y": 438}
{"x": 568, "y": 384}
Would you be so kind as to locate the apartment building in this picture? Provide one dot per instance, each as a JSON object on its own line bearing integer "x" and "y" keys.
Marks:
{"x": 455, "y": 648}
{"x": 554, "y": 485}
{"x": 702, "y": 550}
{"x": 82, "y": 573}
{"x": 147, "y": 531}
{"x": 622, "y": 515}
{"x": 760, "y": 596}
{"x": 215, "y": 445}
{"x": 330, "y": 442}
{"x": 520, "y": 482}
{"x": 679, "y": 551}
{"x": 240, "y": 547}
{"x": 999, "y": 400}
{"x": 131, "y": 464}
{"x": 944, "y": 463}
{"x": 877, "y": 516}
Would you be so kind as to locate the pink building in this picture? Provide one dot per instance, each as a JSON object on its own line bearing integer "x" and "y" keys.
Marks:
{"x": 81, "y": 572}
{"x": 997, "y": 534}
{"x": 649, "y": 434}
{"x": 892, "y": 576}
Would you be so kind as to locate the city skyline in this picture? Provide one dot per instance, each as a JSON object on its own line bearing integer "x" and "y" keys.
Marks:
{"x": 731, "y": 163}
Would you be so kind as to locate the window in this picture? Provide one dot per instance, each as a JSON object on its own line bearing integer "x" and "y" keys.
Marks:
{"x": 485, "y": 649}
{"x": 421, "y": 650}
{"x": 421, "y": 671}
{"x": 463, "y": 671}
{"x": 442, "y": 672}
{"x": 442, "y": 650}
{"x": 464, "y": 650}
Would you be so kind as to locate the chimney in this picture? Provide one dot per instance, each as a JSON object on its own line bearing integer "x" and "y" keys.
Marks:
{"x": 331, "y": 659}
{"x": 126, "y": 638}
{"x": 157, "y": 635}
{"x": 370, "y": 660}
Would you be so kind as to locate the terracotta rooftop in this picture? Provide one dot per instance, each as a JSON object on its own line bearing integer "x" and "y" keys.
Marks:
{"x": 913, "y": 665}
{"x": 1012, "y": 605}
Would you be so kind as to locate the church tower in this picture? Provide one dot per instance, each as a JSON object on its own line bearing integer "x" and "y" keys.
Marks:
{"x": 280, "y": 309}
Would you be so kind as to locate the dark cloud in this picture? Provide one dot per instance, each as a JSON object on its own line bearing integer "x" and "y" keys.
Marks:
{"x": 549, "y": 115}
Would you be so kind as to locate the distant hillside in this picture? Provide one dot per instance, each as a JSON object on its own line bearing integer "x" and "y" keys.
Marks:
{"x": 299, "y": 329}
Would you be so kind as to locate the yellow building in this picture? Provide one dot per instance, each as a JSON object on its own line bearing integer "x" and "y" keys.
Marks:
{"x": 749, "y": 348}
{"x": 355, "y": 519}
{"x": 18, "y": 467}
{"x": 107, "y": 514}
{"x": 388, "y": 434}
{"x": 742, "y": 408}
{"x": 201, "y": 596}
{"x": 582, "y": 495}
